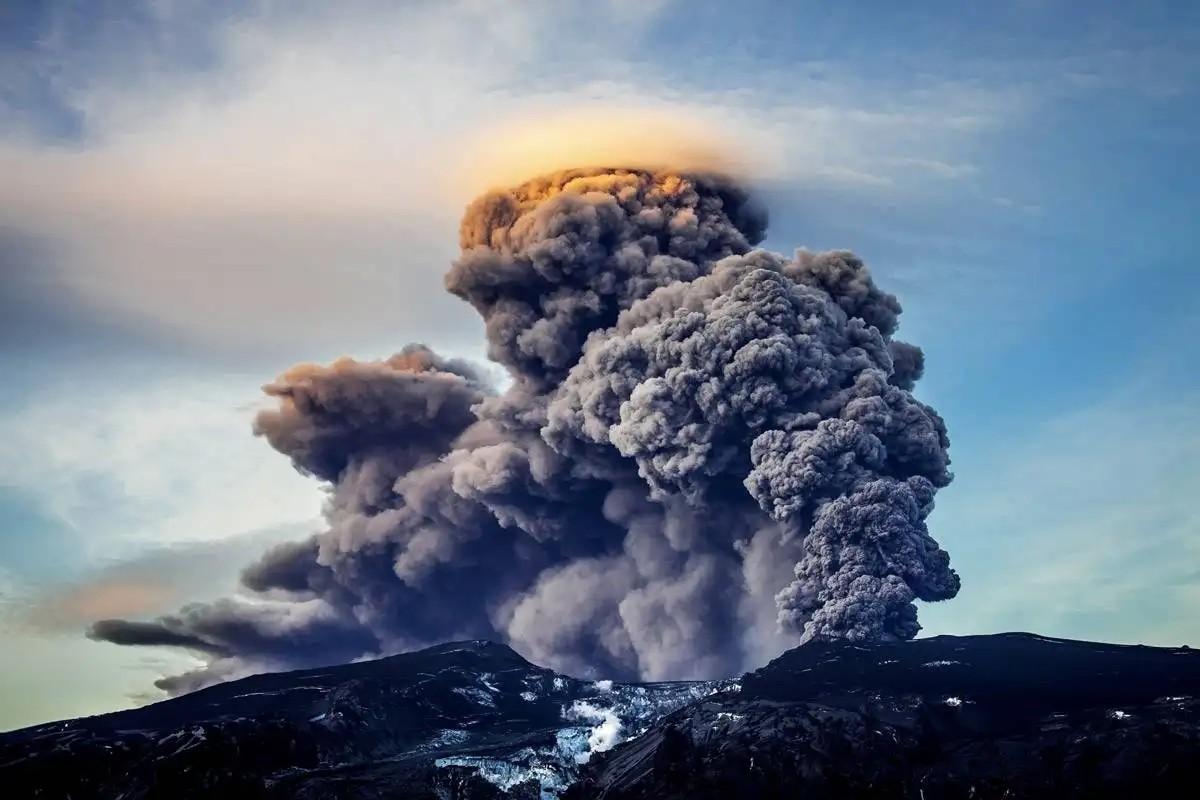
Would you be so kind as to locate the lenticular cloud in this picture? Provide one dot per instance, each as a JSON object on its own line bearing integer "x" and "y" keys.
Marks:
{"x": 706, "y": 452}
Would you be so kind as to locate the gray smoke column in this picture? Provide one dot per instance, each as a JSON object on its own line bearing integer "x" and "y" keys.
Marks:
{"x": 705, "y": 454}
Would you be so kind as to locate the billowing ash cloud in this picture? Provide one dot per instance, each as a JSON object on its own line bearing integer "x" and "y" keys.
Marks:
{"x": 705, "y": 453}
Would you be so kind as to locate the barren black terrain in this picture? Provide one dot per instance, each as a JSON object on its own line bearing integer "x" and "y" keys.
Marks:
{"x": 1003, "y": 716}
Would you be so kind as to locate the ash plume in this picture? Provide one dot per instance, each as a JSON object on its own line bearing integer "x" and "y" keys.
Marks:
{"x": 705, "y": 453}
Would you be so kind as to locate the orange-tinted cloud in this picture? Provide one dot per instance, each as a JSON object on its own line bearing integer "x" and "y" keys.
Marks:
{"x": 78, "y": 606}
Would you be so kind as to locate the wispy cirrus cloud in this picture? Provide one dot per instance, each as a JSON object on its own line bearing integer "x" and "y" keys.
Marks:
{"x": 313, "y": 167}
{"x": 174, "y": 461}
{"x": 153, "y": 580}
{"x": 1083, "y": 527}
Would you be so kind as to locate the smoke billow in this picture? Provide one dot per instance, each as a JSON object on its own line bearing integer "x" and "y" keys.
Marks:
{"x": 705, "y": 453}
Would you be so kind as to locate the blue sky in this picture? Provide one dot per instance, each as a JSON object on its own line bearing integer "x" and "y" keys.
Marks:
{"x": 199, "y": 195}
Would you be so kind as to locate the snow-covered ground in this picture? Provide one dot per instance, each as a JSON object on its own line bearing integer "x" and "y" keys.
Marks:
{"x": 592, "y": 724}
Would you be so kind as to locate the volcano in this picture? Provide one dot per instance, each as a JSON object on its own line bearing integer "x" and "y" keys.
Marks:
{"x": 1002, "y": 716}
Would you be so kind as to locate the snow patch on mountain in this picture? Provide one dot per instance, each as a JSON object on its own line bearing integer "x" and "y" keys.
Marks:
{"x": 524, "y": 766}
{"x": 475, "y": 695}
{"x": 613, "y": 714}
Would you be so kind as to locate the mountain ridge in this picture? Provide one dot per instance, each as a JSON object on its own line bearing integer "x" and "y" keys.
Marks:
{"x": 471, "y": 719}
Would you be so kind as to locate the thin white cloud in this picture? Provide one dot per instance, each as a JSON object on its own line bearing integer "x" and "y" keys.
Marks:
{"x": 941, "y": 169}
{"x": 1083, "y": 527}
{"x": 1017, "y": 205}
{"x": 155, "y": 580}
{"x": 308, "y": 186}
{"x": 170, "y": 462}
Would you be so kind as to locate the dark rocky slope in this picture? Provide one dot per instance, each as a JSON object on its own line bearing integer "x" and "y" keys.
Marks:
{"x": 1005, "y": 716}
{"x": 460, "y": 720}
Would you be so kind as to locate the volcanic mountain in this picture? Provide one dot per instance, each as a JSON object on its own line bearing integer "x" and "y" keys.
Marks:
{"x": 1002, "y": 716}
